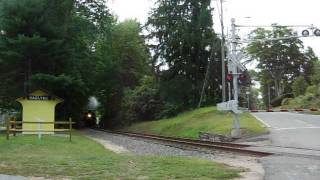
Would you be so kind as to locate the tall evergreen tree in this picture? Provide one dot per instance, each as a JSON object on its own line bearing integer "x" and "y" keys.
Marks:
{"x": 185, "y": 44}
{"x": 32, "y": 41}
{"x": 51, "y": 45}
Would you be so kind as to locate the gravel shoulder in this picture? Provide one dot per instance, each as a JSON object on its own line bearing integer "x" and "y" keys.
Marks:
{"x": 253, "y": 170}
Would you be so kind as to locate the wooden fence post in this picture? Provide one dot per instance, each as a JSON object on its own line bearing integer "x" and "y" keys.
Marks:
{"x": 8, "y": 128}
{"x": 14, "y": 126}
{"x": 70, "y": 128}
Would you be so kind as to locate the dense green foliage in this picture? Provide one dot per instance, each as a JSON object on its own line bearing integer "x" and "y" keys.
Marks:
{"x": 185, "y": 45}
{"x": 143, "y": 102}
{"x": 77, "y": 49}
{"x": 189, "y": 124}
{"x": 56, "y": 158}
{"x": 122, "y": 70}
{"x": 280, "y": 61}
{"x": 49, "y": 44}
{"x": 29, "y": 29}
{"x": 306, "y": 95}
{"x": 299, "y": 86}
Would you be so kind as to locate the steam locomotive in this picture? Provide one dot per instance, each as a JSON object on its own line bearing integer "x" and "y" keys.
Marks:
{"x": 89, "y": 119}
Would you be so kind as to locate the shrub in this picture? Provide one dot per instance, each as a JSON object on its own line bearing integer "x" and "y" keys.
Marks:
{"x": 299, "y": 86}
{"x": 312, "y": 89}
{"x": 142, "y": 103}
{"x": 286, "y": 101}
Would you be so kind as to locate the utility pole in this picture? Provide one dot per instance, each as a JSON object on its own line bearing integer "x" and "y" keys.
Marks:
{"x": 233, "y": 65}
{"x": 236, "y": 124}
{"x": 223, "y": 69}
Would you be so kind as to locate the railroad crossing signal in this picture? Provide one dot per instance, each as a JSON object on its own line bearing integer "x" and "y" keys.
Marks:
{"x": 231, "y": 105}
{"x": 306, "y": 33}
{"x": 235, "y": 60}
{"x": 229, "y": 77}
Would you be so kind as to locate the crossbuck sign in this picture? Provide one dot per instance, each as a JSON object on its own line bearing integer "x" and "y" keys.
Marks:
{"x": 228, "y": 106}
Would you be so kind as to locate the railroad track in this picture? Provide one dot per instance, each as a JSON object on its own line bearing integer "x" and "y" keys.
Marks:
{"x": 230, "y": 147}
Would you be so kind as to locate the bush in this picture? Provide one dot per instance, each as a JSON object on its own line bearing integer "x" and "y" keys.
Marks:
{"x": 299, "y": 86}
{"x": 286, "y": 101}
{"x": 312, "y": 89}
{"x": 142, "y": 103}
{"x": 170, "y": 110}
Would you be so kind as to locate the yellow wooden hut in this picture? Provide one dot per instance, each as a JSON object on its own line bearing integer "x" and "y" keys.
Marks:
{"x": 38, "y": 106}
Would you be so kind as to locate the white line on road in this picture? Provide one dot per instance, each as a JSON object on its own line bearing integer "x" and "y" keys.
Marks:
{"x": 301, "y": 114}
{"x": 264, "y": 123}
{"x": 293, "y": 128}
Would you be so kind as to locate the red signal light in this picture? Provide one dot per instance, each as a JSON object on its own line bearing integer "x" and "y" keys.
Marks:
{"x": 229, "y": 77}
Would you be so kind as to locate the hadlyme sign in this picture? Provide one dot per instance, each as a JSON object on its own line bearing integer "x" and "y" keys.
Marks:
{"x": 38, "y": 106}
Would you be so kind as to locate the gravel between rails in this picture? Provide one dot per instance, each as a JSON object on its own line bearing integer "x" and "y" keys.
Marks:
{"x": 140, "y": 146}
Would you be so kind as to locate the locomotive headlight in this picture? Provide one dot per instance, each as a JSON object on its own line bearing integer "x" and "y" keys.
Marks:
{"x": 89, "y": 115}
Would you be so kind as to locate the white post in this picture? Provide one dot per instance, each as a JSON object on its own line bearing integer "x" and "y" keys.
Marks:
{"x": 229, "y": 91}
{"x": 39, "y": 128}
{"x": 236, "y": 124}
{"x": 269, "y": 98}
{"x": 248, "y": 98}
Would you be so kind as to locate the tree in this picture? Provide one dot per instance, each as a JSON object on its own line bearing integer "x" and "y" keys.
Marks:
{"x": 32, "y": 41}
{"x": 299, "y": 86}
{"x": 280, "y": 61}
{"x": 51, "y": 45}
{"x": 123, "y": 70}
{"x": 185, "y": 44}
{"x": 315, "y": 79}
{"x": 142, "y": 103}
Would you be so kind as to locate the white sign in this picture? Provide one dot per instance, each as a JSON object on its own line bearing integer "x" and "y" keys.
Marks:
{"x": 235, "y": 60}
{"x": 229, "y": 106}
{"x": 38, "y": 97}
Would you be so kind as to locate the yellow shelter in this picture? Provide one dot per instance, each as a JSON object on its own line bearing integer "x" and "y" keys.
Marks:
{"x": 38, "y": 106}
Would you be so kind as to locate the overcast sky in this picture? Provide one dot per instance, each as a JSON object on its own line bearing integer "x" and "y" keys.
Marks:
{"x": 261, "y": 12}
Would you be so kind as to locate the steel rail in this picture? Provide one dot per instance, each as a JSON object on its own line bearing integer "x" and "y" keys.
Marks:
{"x": 187, "y": 139}
{"x": 230, "y": 147}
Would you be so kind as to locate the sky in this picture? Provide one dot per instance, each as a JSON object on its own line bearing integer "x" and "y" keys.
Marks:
{"x": 246, "y": 12}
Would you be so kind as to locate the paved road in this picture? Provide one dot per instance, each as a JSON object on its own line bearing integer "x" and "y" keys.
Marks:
{"x": 292, "y": 129}
{"x": 301, "y": 133}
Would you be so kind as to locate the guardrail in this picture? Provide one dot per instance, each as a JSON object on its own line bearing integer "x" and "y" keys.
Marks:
{"x": 12, "y": 128}
{"x": 286, "y": 110}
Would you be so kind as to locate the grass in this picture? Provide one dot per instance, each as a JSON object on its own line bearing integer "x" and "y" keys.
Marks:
{"x": 312, "y": 113}
{"x": 56, "y": 158}
{"x": 190, "y": 123}
{"x": 315, "y": 113}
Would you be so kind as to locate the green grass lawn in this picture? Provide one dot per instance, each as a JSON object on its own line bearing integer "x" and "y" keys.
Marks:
{"x": 55, "y": 157}
{"x": 189, "y": 124}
